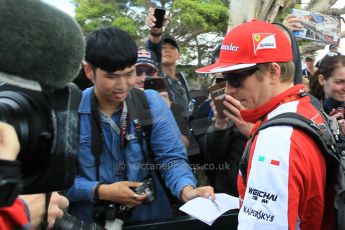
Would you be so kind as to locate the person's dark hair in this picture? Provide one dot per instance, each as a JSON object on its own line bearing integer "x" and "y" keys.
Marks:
{"x": 111, "y": 49}
{"x": 332, "y": 47}
{"x": 326, "y": 68}
{"x": 82, "y": 81}
{"x": 215, "y": 53}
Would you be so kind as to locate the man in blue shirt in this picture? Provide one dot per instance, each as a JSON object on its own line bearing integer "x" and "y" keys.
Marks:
{"x": 110, "y": 60}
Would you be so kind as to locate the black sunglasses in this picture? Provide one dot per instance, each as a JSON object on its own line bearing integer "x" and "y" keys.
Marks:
{"x": 149, "y": 71}
{"x": 326, "y": 58}
{"x": 235, "y": 78}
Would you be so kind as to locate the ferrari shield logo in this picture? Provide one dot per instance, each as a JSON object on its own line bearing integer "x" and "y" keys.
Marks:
{"x": 262, "y": 41}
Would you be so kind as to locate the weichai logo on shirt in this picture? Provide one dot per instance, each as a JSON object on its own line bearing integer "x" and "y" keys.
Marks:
{"x": 265, "y": 196}
{"x": 268, "y": 161}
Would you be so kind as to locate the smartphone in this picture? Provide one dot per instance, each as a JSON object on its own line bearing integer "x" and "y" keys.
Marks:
{"x": 159, "y": 15}
{"x": 217, "y": 92}
{"x": 219, "y": 79}
{"x": 157, "y": 84}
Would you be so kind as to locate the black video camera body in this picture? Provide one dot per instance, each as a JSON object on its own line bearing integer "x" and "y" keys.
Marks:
{"x": 47, "y": 127}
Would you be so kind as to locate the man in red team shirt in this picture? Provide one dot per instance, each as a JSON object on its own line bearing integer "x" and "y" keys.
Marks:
{"x": 286, "y": 174}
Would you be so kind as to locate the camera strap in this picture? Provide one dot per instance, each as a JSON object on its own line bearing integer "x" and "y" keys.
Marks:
{"x": 97, "y": 138}
{"x": 139, "y": 111}
{"x": 44, "y": 223}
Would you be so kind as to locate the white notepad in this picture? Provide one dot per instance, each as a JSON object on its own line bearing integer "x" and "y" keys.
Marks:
{"x": 206, "y": 211}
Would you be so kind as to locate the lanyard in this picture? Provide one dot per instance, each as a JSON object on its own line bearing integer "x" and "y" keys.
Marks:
{"x": 122, "y": 130}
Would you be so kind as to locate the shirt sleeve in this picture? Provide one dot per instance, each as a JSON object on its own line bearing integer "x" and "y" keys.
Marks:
{"x": 169, "y": 151}
{"x": 15, "y": 216}
{"x": 265, "y": 203}
{"x": 156, "y": 48}
{"x": 82, "y": 190}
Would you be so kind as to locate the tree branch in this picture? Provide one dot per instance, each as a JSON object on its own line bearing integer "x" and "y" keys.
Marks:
{"x": 320, "y": 5}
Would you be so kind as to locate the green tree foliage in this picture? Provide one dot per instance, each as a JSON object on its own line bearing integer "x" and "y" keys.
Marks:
{"x": 191, "y": 22}
{"x": 193, "y": 19}
{"x": 94, "y": 14}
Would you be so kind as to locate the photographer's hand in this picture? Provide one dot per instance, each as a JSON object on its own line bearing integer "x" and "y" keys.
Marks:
{"x": 156, "y": 33}
{"x": 36, "y": 204}
{"x": 121, "y": 193}
{"x": 189, "y": 193}
{"x": 232, "y": 111}
{"x": 9, "y": 144}
{"x": 55, "y": 209}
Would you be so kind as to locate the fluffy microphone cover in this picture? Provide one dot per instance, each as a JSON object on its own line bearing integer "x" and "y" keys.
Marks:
{"x": 39, "y": 42}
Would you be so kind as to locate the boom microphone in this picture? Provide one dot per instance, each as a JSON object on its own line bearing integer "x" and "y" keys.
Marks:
{"x": 41, "y": 50}
{"x": 39, "y": 42}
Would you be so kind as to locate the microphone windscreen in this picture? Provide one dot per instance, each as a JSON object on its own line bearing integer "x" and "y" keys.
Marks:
{"x": 39, "y": 42}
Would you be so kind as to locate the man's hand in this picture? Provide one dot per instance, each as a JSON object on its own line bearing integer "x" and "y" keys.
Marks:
{"x": 232, "y": 112}
{"x": 55, "y": 209}
{"x": 189, "y": 193}
{"x": 293, "y": 23}
{"x": 36, "y": 204}
{"x": 9, "y": 143}
{"x": 156, "y": 33}
{"x": 220, "y": 122}
{"x": 339, "y": 116}
{"x": 121, "y": 193}
{"x": 166, "y": 98}
{"x": 150, "y": 20}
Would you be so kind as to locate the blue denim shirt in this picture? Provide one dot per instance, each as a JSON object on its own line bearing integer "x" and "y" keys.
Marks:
{"x": 118, "y": 164}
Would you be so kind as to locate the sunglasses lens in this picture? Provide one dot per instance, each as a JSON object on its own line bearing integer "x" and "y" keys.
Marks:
{"x": 234, "y": 78}
{"x": 147, "y": 70}
{"x": 233, "y": 81}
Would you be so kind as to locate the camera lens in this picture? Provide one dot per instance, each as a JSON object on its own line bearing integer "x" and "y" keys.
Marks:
{"x": 29, "y": 119}
{"x": 68, "y": 222}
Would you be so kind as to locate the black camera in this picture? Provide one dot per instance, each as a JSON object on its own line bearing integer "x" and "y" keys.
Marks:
{"x": 104, "y": 210}
{"x": 47, "y": 127}
{"x": 68, "y": 222}
{"x": 147, "y": 188}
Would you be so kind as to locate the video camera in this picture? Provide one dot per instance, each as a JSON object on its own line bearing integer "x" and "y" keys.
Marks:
{"x": 47, "y": 127}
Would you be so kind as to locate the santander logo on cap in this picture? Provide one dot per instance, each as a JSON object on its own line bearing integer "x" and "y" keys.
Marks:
{"x": 230, "y": 47}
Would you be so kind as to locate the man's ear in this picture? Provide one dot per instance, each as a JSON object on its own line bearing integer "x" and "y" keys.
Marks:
{"x": 274, "y": 73}
{"x": 88, "y": 71}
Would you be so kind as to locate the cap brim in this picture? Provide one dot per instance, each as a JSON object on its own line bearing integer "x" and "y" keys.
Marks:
{"x": 222, "y": 67}
{"x": 148, "y": 64}
{"x": 171, "y": 41}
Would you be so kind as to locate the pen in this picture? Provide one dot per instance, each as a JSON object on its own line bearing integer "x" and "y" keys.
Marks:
{"x": 215, "y": 203}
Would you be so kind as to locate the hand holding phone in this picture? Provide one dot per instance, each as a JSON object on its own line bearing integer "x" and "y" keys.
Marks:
{"x": 157, "y": 84}
{"x": 159, "y": 15}
{"x": 217, "y": 92}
